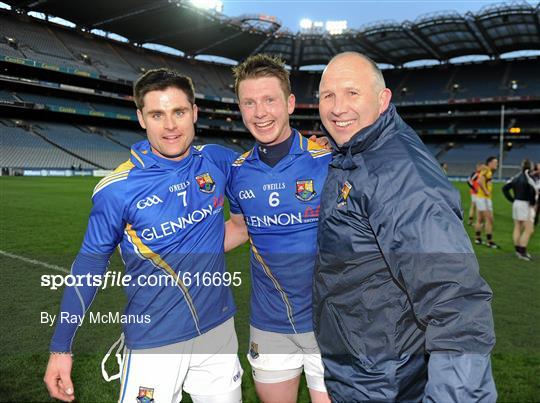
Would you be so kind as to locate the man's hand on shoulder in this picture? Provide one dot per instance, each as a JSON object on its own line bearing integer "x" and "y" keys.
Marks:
{"x": 58, "y": 377}
{"x": 322, "y": 141}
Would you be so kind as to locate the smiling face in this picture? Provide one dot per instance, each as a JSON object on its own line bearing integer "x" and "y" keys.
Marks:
{"x": 351, "y": 96}
{"x": 265, "y": 109}
{"x": 168, "y": 118}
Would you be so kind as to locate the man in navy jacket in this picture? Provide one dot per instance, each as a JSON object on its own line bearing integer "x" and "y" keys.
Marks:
{"x": 400, "y": 310}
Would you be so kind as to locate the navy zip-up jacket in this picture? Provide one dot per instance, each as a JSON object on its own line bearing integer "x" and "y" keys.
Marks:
{"x": 400, "y": 310}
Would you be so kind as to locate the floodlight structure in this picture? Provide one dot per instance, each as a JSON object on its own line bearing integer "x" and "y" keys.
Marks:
{"x": 216, "y": 5}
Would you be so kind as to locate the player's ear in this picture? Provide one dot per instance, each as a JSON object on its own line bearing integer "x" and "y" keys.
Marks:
{"x": 384, "y": 99}
{"x": 195, "y": 113}
{"x": 141, "y": 119}
{"x": 291, "y": 103}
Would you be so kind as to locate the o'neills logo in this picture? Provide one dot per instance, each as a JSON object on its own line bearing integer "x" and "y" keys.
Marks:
{"x": 171, "y": 227}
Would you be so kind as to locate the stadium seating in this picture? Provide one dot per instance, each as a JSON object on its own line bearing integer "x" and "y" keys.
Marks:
{"x": 124, "y": 137}
{"x": 61, "y": 46}
{"x": 521, "y": 151}
{"x": 6, "y": 95}
{"x": 525, "y": 75}
{"x": 416, "y": 85}
{"x": 94, "y": 147}
{"x": 52, "y": 100}
{"x": 471, "y": 80}
{"x": 23, "y": 149}
{"x": 37, "y": 41}
{"x": 101, "y": 55}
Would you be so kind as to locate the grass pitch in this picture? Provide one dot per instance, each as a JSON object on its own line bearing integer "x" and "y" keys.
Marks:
{"x": 44, "y": 219}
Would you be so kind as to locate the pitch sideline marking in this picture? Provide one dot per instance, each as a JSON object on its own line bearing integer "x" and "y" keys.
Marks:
{"x": 35, "y": 262}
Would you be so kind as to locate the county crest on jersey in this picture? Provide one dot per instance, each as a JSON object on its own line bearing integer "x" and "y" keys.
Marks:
{"x": 206, "y": 183}
{"x": 304, "y": 190}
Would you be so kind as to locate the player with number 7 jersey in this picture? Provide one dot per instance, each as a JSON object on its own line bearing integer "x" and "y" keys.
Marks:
{"x": 163, "y": 208}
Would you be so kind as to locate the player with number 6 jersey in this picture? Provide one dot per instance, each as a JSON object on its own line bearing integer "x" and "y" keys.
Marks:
{"x": 274, "y": 196}
{"x": 280, "y": 206}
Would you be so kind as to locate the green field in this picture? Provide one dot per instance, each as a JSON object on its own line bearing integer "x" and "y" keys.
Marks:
{"x": 44, "y": 219}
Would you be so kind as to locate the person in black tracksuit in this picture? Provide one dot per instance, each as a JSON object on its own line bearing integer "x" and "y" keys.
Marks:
{"x": 523, "y": 201}
{"x": 400, "y": 311}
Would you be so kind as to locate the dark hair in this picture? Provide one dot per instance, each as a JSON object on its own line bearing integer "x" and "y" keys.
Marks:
{"x": 159, "y": 80}
{"x": 491, "y": 158}
{"x": 261, "y": 65}
{"x": 526, "y": 165}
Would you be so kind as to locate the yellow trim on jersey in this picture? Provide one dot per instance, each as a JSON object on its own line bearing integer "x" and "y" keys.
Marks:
{"x": 317, "y": 150}
{"x": 301, "y": 139}
{"x": 240, "y": 160}
{"x": 313, "y": 146}
{"x": 120, "y": 173}
{"x": 137, "y": 157}
{"x": 146, "y": 253}
{"x": 270, "y": 275}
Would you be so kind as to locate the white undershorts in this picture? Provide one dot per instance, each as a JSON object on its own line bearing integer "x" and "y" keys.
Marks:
{"x": 278, "y": 357}
{"x": 161, "y": 373}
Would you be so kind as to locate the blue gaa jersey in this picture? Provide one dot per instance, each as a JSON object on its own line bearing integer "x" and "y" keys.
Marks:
{"x": 281, "y": 206}
{"x": 167, "y": 218}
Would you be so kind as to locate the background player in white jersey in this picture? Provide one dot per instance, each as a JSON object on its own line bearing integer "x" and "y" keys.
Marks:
{"x": 275, "y": 190}
{"x": 164, "y": 208}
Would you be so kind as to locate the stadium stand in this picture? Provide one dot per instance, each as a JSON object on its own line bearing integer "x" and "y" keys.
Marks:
{"x": 445, "y": 103}
{"x": 521, "y": 151}
{"x": 97, "y": 149}
{"x": 100, "y": 54}
{"x": 37, "y": 41}
{"x": 470, "y": 81}
{"x": 124, "y": 137}
{"x": 52, "y": 100}
{"x": 23, "y": 149}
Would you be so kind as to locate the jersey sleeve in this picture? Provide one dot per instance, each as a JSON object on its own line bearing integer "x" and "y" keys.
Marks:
{"x": 508, "y": 186}
{"x": 104, "y": 232}
{"x": 234, "y": 204}
{"x": 223, "y": 157}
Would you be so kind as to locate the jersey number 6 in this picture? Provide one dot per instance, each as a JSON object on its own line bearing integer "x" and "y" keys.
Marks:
{"x": 273, "y": 199}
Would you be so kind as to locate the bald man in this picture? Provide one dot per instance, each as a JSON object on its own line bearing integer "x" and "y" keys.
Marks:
{"x": 400, "y": 310}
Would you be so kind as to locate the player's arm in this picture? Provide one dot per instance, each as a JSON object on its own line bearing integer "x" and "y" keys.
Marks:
{"x": 103, "y": 233}
{"x": 431, "y": 258}
{"x": 471, "y": 179}
{"x": 236, "y": 232}
{"x": 509, "y": 185}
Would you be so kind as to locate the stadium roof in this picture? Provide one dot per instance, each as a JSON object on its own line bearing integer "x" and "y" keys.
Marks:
{"x": 494, "y": 30}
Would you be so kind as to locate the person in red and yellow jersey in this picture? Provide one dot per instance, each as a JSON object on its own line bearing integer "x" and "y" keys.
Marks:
{"x": 484, "y": 204}
{"x": 473, "y": 184}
